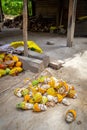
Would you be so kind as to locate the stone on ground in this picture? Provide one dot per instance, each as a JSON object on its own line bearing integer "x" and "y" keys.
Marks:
{"x": 56, "y": 64}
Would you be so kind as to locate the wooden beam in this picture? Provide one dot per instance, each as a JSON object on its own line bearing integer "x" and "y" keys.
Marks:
{"x": 71, "y": 22}
{"x": 25, "y": 24}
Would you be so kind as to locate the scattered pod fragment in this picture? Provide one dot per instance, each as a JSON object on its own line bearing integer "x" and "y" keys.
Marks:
{"x": 37, "y": 97}
{"x": 24, "y": 106}
{"x": 60, "y": 98}
{"x": 72, "y": 94}
{"x": 17, "y": 92}
{"x": 70, "y": 115}
{"x": 50, "y": 104}
{"x": 65, "y": 102}
{"x": 26, "y": 98}
{"x": 39, "y": 107}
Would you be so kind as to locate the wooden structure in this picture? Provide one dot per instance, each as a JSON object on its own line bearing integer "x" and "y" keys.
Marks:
{"x": 71, "y": 18}
{"x": 56, "y": 11}
{"x": 47, "y": 8}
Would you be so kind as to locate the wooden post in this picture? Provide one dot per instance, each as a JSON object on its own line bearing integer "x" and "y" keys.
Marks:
{"x": 25, "y": 24}
{"x": 71, "y": 22}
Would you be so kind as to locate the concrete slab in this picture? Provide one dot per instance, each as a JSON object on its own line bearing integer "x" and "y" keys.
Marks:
{"x": 32, "y": 64}
{"x": 43, "y": 57}
{"x": 53, "y": 118}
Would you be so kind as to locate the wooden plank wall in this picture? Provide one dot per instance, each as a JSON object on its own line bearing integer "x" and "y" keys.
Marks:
{"x": 80, "y": 11}
{"x": 81, "y": 8}
{"x": 53, "y": 9}
{"x": 47, "y": 8}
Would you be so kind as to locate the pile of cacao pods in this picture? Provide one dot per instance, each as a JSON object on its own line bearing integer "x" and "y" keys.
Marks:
{"x": 10, "y": 64}
{"x": 44, "y": 92}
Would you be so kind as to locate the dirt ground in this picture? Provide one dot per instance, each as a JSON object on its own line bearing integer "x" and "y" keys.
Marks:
{"x": 74, "y": 71}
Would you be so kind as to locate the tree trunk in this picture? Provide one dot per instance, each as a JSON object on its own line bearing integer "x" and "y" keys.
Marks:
{"x": 25, "y": 24}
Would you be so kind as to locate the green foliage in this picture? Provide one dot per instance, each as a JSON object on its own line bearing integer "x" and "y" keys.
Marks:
{"x": 12, "y": 7}
{"x": 30, "y": 8}
{"x": 15, "y": 7}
